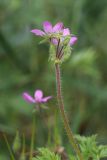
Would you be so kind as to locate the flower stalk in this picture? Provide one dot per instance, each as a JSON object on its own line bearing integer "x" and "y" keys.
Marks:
{"x": 63, "y": 114}
{"x": 61, "y": 41}
{"x": 32, "y": 138}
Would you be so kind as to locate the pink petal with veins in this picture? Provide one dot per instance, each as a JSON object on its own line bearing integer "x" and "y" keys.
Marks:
{"x": 58, "y": 27}
{"x": 47, "y": 27}
{"x": 66, "y": 32}
{"x": 46, "y": 98}
{"x": 28, "y": 98}
{"x": 73, "y": 40}
{"x": 38, "y": 32}
{"x": 38, "y": 95}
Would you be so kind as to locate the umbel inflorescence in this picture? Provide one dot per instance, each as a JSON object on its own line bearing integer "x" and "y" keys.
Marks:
{"x": 59, "y": 38}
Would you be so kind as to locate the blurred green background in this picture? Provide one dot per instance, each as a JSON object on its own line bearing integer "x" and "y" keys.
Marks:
{"x": 24, "y": 66}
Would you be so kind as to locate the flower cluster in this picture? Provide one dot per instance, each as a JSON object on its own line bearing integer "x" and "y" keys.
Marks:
{"x": 60, "y": 38}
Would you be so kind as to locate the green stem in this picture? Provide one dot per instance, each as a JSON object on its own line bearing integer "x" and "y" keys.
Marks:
{"x": 23, "y": 148}
{"x": 63, "y": 114}
{"x": 32, "y": 138}
{"x": 57, "y": 140}
{"x": 9, "y": 148}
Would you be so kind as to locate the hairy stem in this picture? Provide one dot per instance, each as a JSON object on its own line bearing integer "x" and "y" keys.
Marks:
{"x": 63, "y": 114}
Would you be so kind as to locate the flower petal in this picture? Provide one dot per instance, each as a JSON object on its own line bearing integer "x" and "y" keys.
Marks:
{"x": 45, "y": 99}
{"x": 28, "y": 98}
{"x": 38, "y": 32}
{"x": 66, "y": 32}
{"x": 47, "y": 27}
{"x": 38, "y": 95}
{"x": 54, "y": 41}
{"x": 58, "y": 27}
{"x": 73, "y": 40}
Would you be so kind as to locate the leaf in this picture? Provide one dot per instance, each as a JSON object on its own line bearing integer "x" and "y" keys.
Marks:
{"x": 46, "y": 154}
{"x": 17, "y": 142}
{"x": 90, "y": 148}
{"x": 103, "y": 151}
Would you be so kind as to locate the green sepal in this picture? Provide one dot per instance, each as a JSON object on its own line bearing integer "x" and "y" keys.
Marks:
{"x": 44, "y": 40}
{"x": 67, "y": 52}
{"x": 66, "y": 40}
{"x": 52, "y": 53}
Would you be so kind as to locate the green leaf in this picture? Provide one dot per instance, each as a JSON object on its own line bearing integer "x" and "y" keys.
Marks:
{"x": 52, "y": 51}
{"x": 103, "y": 151}
{"x": 90, "y": 148}
{"x": 46, "y": 154}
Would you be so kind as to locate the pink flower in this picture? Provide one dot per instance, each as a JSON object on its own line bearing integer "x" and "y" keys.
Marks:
{"x": 48, "y": 29}
{"x": 38, "y": 97}
{"x": 58, "y": 28}
{"x": 66, "y": 32}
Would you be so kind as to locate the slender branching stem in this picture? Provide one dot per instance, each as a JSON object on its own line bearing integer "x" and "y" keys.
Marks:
{"x": 63, "y": 114}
